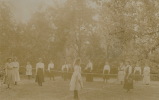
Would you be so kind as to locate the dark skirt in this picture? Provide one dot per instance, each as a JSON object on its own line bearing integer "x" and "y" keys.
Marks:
{"x": 89, "y": 76}
{"x": 39, "y": 76}
{"x": 51, "y": 73}
{"x": 128, "y": 83}
{"x": 137, "y": 76}
{"x": 106, "y": 76}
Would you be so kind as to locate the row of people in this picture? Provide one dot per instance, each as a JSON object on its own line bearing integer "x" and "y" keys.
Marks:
{"x": 106, "y": 70}
{"x": 124, "y": 75}
{"x": 88, "y": 69}
{"x": 136, "y": 72}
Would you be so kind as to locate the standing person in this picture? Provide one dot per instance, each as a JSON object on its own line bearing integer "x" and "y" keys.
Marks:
{"x": 65, "y": 71}
{"x": 9, "y": 72}
{"x": 121, "y": 73}
{"x": 29, "y": 70}
{"x": 40, "y": 72}
{"x": 88, "y": 69}
{"x": 146, "y": 75}
{"x": 128, "y": 80}
{"x": 106, "y": 71}
{"x": 16, "y": 70}
{"x": 76, "y": 82}
{"x": 51, "y": 70}
{"x": 137, "y": 73}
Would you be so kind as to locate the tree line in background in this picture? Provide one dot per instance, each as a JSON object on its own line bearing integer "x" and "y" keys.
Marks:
{"x": 111, "y": 30}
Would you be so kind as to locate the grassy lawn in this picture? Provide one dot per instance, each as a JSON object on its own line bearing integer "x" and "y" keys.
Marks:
{"x": 59, "y": 90}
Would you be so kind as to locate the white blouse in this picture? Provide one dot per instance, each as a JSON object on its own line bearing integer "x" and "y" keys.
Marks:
{"x": 15, "y": 64}
{"x": 28, "y": 67}
{"x": 65, "y": 66}
{"x": 107, "y": 67}
{"x": 89, "y": 65}
{"x": 51, "y": 65}
{"x": 146, "y": 70}
{"x": 40, "y": 65}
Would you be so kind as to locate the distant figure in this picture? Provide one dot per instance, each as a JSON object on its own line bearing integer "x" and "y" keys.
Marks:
{"x": 88, "y": 70}
{"x": 16, "y": 70}
{"x": 40, "y": 72}
{"x": 128, "y": 81}
{"x": 137, "y": 73}
{"x": 146, "y": 75}
{"x": 65, "y": 71}
{"x": 121, "y": 73}
{"x": 9, "y": 75}
{"x": 70, "y": 71}
{"x": 76, "y": 82}
{"x": 106, "y": 72}
{"x": 51, "y": 70}
{"x": 29, "y": 70}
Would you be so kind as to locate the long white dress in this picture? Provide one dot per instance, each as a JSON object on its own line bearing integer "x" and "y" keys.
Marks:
{"x": 16, "y": 71}
{"x": 146, "y": 74}
{"x": 76, "y": 82}
{"x": 28, "y": 69}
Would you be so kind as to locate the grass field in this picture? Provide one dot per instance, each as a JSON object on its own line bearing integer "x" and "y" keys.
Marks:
{"x": 59, "y": 90}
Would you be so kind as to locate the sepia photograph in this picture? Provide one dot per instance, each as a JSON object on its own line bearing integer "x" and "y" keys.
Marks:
{"x": 79, "y": 49}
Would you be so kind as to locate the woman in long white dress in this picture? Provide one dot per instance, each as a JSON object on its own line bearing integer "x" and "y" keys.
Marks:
{"x": 29, "y": 70}
{"x": 76, "y": 82}
{"x": 121, "y": 73}
{"x": 146, "y": 75}
{"x": 15, "y": 64}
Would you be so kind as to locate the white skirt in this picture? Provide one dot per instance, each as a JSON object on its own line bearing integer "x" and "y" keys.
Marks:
{"x": 146, "y": 79}
{"x": 121, "y": 75}
{"x": 76, "y": 82}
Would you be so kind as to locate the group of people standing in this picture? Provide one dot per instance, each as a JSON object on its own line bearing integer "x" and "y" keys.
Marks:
{"x": 11, "y": 72}
{"x": 126, "y": 74}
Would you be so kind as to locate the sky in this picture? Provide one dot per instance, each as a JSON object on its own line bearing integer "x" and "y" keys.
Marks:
{"x": 23, "y": 9}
